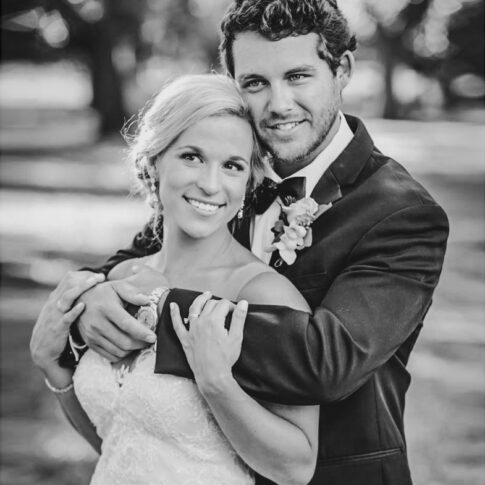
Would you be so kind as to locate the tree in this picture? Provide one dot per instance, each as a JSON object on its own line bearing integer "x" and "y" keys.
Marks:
{"x": 87, "y": 30}
{"x": 424, "y": 35}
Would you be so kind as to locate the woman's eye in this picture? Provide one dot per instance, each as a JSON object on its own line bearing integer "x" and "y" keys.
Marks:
{"x": 191, "y": 157}
{"x": 234, "y": 166}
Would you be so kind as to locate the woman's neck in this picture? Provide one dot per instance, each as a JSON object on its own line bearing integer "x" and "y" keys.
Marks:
{"x": 182, "y": 255}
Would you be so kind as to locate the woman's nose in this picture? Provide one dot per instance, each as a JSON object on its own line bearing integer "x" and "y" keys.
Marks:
{"x": 209, "y": 180}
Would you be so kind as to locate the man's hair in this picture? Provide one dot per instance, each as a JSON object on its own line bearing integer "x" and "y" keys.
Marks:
{"x": 277, "y": 19}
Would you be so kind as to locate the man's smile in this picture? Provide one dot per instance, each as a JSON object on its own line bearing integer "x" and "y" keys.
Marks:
{"x": 284, "y": 127}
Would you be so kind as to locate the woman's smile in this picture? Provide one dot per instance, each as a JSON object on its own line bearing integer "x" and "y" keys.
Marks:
{"x": 205, "y": 208}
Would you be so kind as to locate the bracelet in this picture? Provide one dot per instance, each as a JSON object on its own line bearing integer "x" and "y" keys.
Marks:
{"x": 56, "y": 390}
{"x": 75, "y": 347}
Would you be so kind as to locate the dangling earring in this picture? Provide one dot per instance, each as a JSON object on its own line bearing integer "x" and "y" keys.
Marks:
{"x": 155, "y": 202}
{"x": 240, "y": 212}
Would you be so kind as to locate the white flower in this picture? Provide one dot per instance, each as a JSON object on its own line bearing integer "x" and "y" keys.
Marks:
{"x": 292, "y": 230}
{"x": 301, "y": 212}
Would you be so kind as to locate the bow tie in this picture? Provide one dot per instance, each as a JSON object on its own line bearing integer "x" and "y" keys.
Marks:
{"x": 289, "y": 191}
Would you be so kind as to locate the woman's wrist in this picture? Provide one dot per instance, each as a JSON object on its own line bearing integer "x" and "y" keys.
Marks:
{"x": 216, "y": 386}
{"x": 57, "y": 376}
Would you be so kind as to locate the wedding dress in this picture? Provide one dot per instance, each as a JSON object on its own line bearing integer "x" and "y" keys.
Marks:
{"x": 156, "y": 428}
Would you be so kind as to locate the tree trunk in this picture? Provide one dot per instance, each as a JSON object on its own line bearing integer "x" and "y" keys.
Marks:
{"x": 385, "y": 45}
{"x": 106, "y": 81}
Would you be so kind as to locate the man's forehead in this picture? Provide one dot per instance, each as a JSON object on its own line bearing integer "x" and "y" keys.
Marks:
{"x": 255, "y": 54}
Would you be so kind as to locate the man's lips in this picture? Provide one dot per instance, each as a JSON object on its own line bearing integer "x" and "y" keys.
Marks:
{"x": 283, "y": 126}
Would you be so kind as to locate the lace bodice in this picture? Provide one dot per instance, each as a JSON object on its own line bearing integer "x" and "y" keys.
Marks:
{"x": 156, "y": 428}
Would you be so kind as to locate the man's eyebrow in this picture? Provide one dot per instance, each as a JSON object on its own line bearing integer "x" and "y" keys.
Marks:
{"x": 245, "y": 77}
{"x": 297, "y": 69}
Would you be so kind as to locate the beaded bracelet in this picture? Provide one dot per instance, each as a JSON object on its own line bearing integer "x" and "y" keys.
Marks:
{"x": 55, "y": 390}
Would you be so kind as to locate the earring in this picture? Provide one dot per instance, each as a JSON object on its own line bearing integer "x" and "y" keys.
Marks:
{"x": 154, "y": 195}
{"x": 240, "y": 212}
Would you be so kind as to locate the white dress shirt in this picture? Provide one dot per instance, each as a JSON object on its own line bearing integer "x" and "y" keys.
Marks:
{"x": 261, "y": 235}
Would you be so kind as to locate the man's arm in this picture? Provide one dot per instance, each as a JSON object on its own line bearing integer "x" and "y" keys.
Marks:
{"x": 143, "y": 244}
{"x": 370, "y": 310}
{"x": 107, "y": 326}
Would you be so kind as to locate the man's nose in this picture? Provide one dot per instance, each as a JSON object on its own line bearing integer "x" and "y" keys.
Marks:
{"x": 280, "y": 100}
{"x": 209, "y": 180}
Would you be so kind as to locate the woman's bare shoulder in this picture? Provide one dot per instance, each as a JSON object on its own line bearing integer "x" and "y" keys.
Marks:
{"x": 271, "y": 288}
{"x": 125, "y": 268}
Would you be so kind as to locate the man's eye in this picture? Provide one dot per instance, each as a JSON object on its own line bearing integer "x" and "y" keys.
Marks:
{"x": 253, "y": 84}
{"x": 297, "y": 77}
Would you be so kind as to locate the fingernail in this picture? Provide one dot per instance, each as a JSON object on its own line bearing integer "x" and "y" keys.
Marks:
{"x": 207, "y": 293}
{"x": 243, "y": 305}
{"x": 80, "y": 305}
{"x": 100, "y": 277}
{"x": 150, "y": 338}
{"x": 91, "y": 280}
{"x": 172, "y": 306}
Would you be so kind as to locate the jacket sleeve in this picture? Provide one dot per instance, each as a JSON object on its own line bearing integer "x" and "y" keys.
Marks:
{"x": 374, "y": 304}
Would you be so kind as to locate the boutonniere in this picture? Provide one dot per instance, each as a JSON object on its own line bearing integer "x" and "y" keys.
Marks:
{"x": 293, "y": 229}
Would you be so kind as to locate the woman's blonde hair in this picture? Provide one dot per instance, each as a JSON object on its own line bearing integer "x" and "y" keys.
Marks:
{"x": 178, "y": 106}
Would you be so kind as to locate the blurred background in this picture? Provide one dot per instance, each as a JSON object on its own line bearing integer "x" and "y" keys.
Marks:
{"x": 73, "y": 71}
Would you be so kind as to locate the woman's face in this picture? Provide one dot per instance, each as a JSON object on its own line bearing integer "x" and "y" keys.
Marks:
{"x": 204, "y": 173}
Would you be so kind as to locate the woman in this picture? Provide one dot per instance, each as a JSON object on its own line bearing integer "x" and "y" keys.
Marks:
{"x": 197, "y": 157}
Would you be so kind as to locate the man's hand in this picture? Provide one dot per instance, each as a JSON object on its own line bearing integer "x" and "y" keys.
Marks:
{"x": 59, "y": 312}
{"x": 106, "y": 326}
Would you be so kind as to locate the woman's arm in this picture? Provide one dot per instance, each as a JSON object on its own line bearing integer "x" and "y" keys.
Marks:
{"x": 279, "y": 442}
{"x": 60, "y": 380}
{"x": 47, "y": 343}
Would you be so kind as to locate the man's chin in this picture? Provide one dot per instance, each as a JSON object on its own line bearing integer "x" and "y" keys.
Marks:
{"x": 289, "y": 156}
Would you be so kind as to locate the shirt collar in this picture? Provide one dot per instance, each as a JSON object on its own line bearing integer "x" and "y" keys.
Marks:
{"x": 316, "y": 169}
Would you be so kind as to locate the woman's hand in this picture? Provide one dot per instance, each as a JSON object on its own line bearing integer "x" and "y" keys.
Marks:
{"x": 51, "y": 330}
{"x": 211, "y": 350}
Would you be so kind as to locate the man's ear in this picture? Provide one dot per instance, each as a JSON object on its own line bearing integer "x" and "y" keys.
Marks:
{"x": 345, "y": 69}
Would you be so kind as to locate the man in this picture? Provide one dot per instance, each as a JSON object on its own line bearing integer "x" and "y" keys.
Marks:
{"x": 373, "y": 264}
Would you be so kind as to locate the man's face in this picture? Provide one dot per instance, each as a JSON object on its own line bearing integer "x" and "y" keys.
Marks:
{"x": 293, "y": 95}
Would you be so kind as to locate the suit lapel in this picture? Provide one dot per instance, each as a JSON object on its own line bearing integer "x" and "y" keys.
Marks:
{"x": 343, "y": 172}
{"x": 341, "y": 177}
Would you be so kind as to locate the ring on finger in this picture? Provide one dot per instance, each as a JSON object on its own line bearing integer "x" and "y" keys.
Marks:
{"x": 191, "y": 317}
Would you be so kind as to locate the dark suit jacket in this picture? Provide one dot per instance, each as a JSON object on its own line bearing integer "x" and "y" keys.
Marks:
{"x": 369, "y": 277}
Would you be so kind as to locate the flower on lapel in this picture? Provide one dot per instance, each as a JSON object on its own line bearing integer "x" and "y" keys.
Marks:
{"x": 292, "y": 230}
